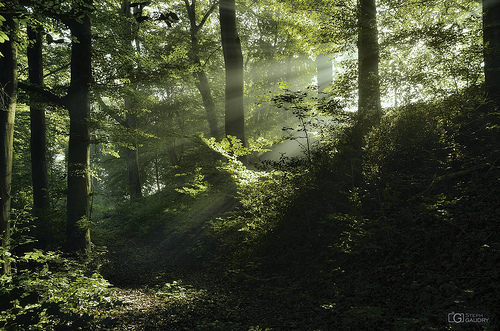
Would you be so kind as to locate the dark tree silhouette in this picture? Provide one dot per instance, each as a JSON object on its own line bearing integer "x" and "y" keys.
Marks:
{"x": 199, "y": 74}
{"x": 369, "y": 107}
{"x": 233, "y": 58}
{"x": 491, "y": 38}
{"x": 8, "y": 100}
{"x": 132, "y": 154}
{"x": 38, "y": 141}
{"x": 78, "y": 104}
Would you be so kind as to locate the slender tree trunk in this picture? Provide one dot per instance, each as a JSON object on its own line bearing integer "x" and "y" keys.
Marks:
{"x": 199, "y": 74}
{"x": 157, "y": 174}
{"x": 369, "y": 107}
{"x": 78, "y": 103}
{"x": 233, "y": 58}
{"x": 38, "y": 144}
{"x": 8, "y": 100}
{"x": 134, "y": 179}
{"x": 491, "y": 38}
{"x": 132, "y": 154}
{"x": 208, "y": 101}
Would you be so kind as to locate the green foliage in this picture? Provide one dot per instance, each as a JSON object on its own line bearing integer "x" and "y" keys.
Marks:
{"x": 263, "y": 195}
{"x": 3, "y": 36}
{"x": 399, "y": 250}
{"x": 363, "y": 317}
{"x": 436, "y": 54}
{"x": 415, "y": 235}
{"x": 196, "y": 186}
{"x": 304, "y": 111}
{"x": 22, "y": 226}
{"x": 230, "y": 147}
{"x": 282, "y": 189}
{"x": 47, "y": 290}
{"x": 417, "y": 138}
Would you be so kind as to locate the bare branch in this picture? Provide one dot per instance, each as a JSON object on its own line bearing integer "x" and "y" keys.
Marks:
{"x": 207, "y": 15}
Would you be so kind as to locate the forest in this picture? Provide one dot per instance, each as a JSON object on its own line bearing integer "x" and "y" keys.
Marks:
{"x": 253, "y": 165}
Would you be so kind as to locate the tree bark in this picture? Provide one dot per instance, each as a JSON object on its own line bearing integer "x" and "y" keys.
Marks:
{"x": 132, "y": 154}
{"x": 200, "y": 75}
{"x": 208, "y": 101}
{"x": 369, "y": 106}
{"x": 78, "y": 104}
{"x": 8, "y": 100}
{"x": 233, "y": 58}
{"x": 491, "y": 39}
{"x": 38, "y": 144}
{"x": 134, "y": 179}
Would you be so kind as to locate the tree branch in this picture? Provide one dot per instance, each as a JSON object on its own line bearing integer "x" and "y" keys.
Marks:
{"x": 207, "y": 15}
{"x": 449, "y": 176}
{"x": 57, "y": 70}
{"x": 46, "y": 94}
{"x": 188, "y": 7}
{"x": 109, "y": 111}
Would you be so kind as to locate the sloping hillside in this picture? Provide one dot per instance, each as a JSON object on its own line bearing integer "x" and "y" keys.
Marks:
{"x": 417, "y": 241}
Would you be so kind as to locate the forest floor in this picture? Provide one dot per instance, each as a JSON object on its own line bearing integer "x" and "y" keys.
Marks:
{"x": 427, "y": 244}
{"x": 207, "y": 302}
{"x": 399, "y": 274}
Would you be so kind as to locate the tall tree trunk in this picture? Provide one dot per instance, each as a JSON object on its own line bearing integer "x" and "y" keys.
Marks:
{"x": 38, "y": 144}
{"x": 491, "y": 39}
{"x": 233, "y": 58}
{"x": 78, "y": 103}
{"x": 132, "y": 154}
{"x": 134, "y": 179}
{"x": 369, "y": 107}
{"x": 8, "y": 100}
{"x": 199, "y": 74}
{"x": 208, "y": 101}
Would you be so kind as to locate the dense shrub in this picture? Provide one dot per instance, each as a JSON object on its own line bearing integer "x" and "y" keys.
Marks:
{"x": 416, "y": 138}
{"x": 46, "y": 290}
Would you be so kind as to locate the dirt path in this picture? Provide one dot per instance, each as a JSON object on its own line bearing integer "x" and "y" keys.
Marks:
{"x": 210, "y": 303}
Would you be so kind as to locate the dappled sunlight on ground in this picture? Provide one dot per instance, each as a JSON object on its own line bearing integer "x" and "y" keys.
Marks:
{"x": 134, "y": 300}
{"x": 146, "y": 308}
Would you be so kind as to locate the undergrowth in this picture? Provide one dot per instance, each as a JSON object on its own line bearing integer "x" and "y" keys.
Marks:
{"x": 48, "y": 291}
{"x": 417, "y": 240}
{"x": 299, "y": 244}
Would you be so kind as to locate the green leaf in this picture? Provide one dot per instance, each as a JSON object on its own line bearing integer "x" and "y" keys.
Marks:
{"x": 3, "y": 37}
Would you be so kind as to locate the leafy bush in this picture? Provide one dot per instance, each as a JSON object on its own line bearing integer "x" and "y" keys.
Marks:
{"x": 262, "y": 197}
{"x": 45, "y": 289}
{"x": 415, "y": 138}
{"x": 48, "y": 289}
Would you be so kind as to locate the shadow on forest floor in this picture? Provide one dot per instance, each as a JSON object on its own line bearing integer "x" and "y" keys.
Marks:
{"x": 427, "y": 244}
{"x": 215, "y": 303}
